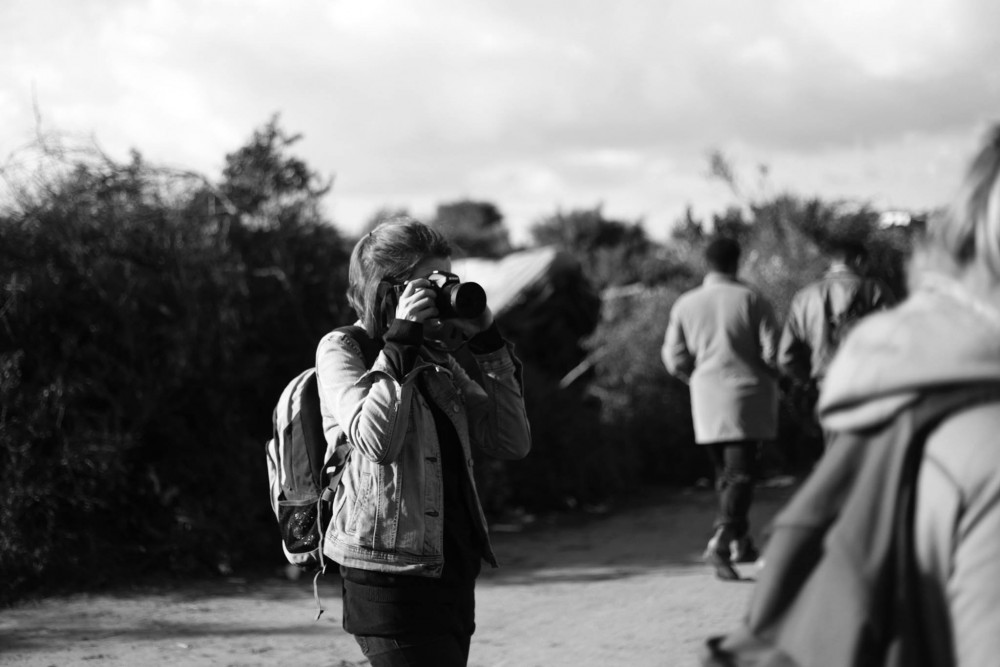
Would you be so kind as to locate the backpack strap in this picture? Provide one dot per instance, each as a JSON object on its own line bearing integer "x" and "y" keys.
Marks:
{"x": 369, "y": 348}
{"x": 931, "y": 413}
{"x": 311, "y": 423}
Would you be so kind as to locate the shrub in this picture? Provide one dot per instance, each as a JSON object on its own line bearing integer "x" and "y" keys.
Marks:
{"x": 146, "y": 329}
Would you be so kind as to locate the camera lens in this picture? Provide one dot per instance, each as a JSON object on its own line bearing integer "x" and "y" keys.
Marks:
{"x": 466, "y": 300}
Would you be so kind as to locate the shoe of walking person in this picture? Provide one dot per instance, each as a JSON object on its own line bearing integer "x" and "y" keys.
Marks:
{"x": 743, "y": 550}
{"x": 717, "y": 555}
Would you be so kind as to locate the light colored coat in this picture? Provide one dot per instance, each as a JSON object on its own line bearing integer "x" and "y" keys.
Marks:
{"x": 940, "y": 336}
{"x": 722, "y": 340}
{"x": 806, "y": 348}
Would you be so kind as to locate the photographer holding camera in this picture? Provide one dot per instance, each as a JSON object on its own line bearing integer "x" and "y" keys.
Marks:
{"x": 408, "y": 528}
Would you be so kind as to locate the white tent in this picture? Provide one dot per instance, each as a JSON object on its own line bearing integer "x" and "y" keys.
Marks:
{"x": 509, "y": 281}
{"x": 542, "y": 301}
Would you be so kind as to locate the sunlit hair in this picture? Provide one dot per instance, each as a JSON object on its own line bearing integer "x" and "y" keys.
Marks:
{"x": 384, "y": 257}
{"x": 967, "y": 233}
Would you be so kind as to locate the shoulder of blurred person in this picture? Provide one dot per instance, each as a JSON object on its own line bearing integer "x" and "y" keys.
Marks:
{"x": 957, "y": 523}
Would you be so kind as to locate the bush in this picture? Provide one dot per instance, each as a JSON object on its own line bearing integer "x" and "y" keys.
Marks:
{"x": 645, "y": 413}
{"x": 114, "y": 307}
{"x": 146, "y": 329}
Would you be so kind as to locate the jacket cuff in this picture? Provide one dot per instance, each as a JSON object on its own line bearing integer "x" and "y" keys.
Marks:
{"x": 487, "y": 341}
{"x": 402, "y": 344}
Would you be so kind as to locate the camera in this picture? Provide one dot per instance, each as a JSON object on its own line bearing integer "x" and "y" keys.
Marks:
{"x": 454, "y": 298}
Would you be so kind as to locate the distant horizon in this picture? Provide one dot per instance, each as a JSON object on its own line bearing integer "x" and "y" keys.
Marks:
{"x": 535, "y": 107}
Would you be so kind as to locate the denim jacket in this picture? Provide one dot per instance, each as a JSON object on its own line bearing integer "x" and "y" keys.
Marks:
{"x": 388, "y": 509}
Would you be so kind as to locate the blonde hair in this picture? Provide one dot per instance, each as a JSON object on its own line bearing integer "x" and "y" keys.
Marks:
{"x": 967, "y": 234}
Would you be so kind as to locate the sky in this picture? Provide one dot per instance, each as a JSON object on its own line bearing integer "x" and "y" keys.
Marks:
{"x": 536, "y": 106}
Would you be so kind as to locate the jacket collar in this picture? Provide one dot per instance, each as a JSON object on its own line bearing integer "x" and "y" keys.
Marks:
{"x": 840, "y": 269}
{"x": 717, "y": 278}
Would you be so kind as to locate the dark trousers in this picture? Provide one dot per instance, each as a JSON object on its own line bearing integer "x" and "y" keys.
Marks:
{"x": 416, "y": 650}
{"x": 736, "y": 465}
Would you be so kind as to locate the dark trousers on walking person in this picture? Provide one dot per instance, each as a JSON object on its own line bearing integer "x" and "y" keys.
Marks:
{"x": 736, "y": 470}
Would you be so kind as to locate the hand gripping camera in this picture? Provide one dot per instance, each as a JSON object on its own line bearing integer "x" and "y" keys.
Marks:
{"x": 453, "y": 298}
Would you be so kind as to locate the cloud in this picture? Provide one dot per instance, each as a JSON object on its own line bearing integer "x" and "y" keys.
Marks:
{"x": 890, "y": 39}
{"x": 533, "y": 105}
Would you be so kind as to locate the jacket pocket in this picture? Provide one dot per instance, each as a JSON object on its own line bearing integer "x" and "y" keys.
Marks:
{"x": 362, "y": 512}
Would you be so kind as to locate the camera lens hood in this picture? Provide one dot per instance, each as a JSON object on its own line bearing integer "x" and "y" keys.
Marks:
{"x": 467, "y": 300}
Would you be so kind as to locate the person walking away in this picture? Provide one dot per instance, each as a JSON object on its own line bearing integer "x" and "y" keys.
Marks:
{"x": 408, "y": 528}
{"x": 819, "y": 318}
{"x": 721, "y": 339}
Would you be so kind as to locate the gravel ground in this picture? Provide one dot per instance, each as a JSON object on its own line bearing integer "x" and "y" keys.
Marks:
{"x": 620, "y": 587}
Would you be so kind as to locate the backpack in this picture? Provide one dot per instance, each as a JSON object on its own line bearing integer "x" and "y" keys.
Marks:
{"x": 842, "y": 323}
{"x": 837, "y": 589}
{"x": 302, "y": 479}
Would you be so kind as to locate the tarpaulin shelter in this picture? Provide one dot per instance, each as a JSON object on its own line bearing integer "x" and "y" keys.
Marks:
{"x": 541, "y": 300}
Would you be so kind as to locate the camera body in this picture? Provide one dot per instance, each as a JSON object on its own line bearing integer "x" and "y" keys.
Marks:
{"x": 453, "y": 298}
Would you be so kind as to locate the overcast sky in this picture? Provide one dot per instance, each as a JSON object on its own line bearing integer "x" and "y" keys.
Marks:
{"x": 534, "y": 105}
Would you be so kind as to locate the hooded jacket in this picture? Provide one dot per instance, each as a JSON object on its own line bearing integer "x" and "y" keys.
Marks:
{"x": 941, "y": 336}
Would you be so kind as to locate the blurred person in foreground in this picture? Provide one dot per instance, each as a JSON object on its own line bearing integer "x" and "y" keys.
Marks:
{"x": 946, "y": 334}
{"x": 721, "y": 339}
{"x": 889, "y": 554}
{"x": 408, "y": 529}
{"x": 820, "y": 316}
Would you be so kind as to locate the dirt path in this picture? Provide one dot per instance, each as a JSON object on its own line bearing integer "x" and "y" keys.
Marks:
{"x": 626, "y": 588}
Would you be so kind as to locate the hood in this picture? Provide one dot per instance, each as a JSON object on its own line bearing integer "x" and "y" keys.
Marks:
{"x": 940, "y": 335}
